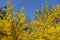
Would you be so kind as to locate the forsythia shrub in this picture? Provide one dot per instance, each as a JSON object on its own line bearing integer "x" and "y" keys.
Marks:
{"x": 46, "y": 26}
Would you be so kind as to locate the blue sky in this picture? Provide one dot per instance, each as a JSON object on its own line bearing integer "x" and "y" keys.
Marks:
{"x": 29, "y": 5}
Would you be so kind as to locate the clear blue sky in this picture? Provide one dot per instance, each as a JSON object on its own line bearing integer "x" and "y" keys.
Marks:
{"x": 29, "y": 5}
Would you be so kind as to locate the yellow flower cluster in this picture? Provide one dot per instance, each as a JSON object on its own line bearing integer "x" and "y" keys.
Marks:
{"x": 46, "y": 26}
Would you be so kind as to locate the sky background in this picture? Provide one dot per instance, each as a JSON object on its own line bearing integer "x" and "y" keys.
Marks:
{"x": 29, "y": 5}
